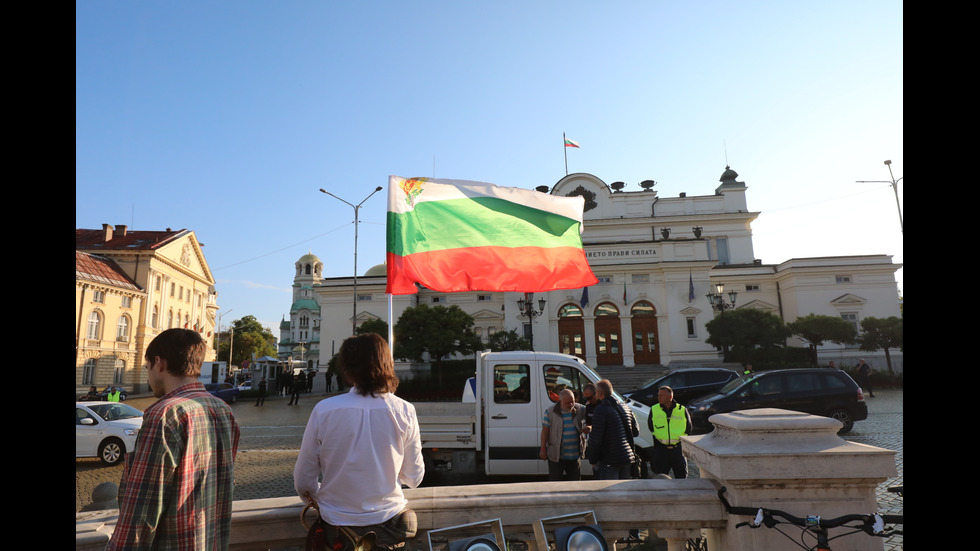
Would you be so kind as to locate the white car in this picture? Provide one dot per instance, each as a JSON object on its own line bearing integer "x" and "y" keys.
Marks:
{"x": 106, "y": 430}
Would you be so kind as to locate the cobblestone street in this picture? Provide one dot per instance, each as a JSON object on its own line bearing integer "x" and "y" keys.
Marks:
{"x": 271, "y": 436}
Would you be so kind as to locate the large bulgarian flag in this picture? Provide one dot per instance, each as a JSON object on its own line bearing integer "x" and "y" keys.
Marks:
{"x": 457, "y": 235}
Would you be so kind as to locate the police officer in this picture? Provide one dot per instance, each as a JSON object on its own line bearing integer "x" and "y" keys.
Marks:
{"x": 113, "y": 395}
{"x": 668, "y": 421}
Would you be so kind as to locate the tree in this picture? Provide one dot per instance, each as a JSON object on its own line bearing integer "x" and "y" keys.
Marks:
{"x": 507, "y": 340}
{"x": 438, "y": 331}
{"x": 248, "y": 337}
{"x": 882, "y": 334}
{"x": 816, "y": 330}
{"x": 747, "y": 329}
{"x": 374, "y": 325}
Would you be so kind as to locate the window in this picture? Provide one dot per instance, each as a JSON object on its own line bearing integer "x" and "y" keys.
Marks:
{"x": 843, "y": 278}
{"x": 570, "y": 311}
{"x": 98, "y": 296}
{"x": 154, "y": 316}
{"x": 641, "y": 278}
{"x": 604, "y": 279}
{"x": 170, "y": 319}
{"x": 438, "y": 300}
{"x": 751, "y": 287}
{"x": 511, "y": 384}
{"x": 173, "y": 289}
{"x": 122, "y": 329}
{"x": 722, "y": 245}
{"x": 127, "y": 302}
{"x": 484, "y": 297}
{"x": 692, "y": 331}
{"x": 159, "y": 283}
{"x": 852, "y": 318}
{"x": 94, "y": 330}
{"x": 88, "y": 372}
{"x": 361, "y": 298}
{"x": 119, "y": 372}
{"x": 560, "y": 377}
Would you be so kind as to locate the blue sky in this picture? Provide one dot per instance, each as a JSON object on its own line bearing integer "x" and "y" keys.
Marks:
{"x": 227, "y": 117}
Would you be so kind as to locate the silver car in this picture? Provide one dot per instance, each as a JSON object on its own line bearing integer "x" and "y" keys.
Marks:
{"x": 106, "y": 430}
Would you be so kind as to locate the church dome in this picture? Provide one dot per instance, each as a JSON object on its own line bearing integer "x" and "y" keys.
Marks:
{"x": 379, "y": 270}
{"x": 309, "y": 257}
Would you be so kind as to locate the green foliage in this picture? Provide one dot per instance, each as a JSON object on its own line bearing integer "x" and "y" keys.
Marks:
{"x": 816, "y": 330}
{"x": 882, "y": 334}
{"x": 249, "y": 337}
{"x": 502, "y": 341}
{"x": 438, "y": 331}
{"x": 376, "y": 325}
{"x": 747, "y": 329}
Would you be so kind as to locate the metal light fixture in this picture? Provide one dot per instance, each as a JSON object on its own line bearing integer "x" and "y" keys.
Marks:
{"x": 894, "y": 184}
{"x": 356, "y": 209}
{"x": 490, "y": 541}
{"x": 525, "y": 309}
{"x": 717, "y": 299}
{"x": 582, "y": 537}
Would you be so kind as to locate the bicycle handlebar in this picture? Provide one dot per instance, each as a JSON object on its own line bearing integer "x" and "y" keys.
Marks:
{"x": 872, "y": 524}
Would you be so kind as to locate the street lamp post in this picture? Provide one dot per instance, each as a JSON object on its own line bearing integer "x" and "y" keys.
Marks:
{"x": 717, "y": 300}
{"x": 525, "y": 308}
{"x": 356, "y": 207}
{"x": 894, "y": 184}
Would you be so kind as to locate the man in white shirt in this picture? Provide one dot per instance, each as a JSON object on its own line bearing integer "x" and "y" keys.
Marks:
{"x": 360, "y": 447}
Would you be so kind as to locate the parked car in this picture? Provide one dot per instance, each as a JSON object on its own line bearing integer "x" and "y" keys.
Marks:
{"x": 826, "y": 392}
{"x": 103, "y": 395}
{"x": 247, "y": 385}
{"x": 106, "y": 430}
{"x": 226, "y": 391}
{"x": 687, "y": 384}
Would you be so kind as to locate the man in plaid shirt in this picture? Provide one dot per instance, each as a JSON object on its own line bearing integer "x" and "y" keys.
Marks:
{"x": 176, "y": 489}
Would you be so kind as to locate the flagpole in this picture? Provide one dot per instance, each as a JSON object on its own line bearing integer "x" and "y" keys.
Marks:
{"x": 565, "y": 149}
{"x": 391, "y": 332}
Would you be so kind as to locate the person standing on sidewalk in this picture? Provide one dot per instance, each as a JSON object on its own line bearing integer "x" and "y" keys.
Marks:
{"x": 668, "y": 421}
{"x": 610, "y": 440}
{"x": 864, "y": 377}
{"x": 177, "y": 486}
{"x": 262, "y": 387}
{"x": 562, "y": 439}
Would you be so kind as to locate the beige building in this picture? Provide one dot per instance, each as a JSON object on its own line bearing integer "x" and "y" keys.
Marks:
{"x": 130, "y": 286}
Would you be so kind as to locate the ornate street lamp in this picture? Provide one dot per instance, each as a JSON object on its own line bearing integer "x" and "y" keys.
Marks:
{"x": 717, "y": 299}
{"x": 525, "y": 308}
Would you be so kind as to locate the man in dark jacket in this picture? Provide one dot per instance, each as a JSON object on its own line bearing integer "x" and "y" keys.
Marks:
{"x": 610, "y": 445}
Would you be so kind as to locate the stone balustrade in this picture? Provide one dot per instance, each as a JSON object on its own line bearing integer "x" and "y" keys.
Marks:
{"x": 766, "y": 458}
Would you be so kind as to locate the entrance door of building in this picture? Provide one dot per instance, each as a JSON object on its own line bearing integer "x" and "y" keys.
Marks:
{"x": 571, "y": 331}
{"x": 646, "y": 344}
{"x": 608, "y": 335}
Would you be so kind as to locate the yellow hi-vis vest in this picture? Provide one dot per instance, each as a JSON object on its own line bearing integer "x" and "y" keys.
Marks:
{"x": 664, "y": 432}
{"x": 113, "y": 396}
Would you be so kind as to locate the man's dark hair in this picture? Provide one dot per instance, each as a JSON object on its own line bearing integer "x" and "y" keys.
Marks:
{"x": 589, "y": 386}
{"x": 365, "y": 362}
{"x": 183, "y": 350}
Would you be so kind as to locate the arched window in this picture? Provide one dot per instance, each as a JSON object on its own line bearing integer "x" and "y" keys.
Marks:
{"x": 643, "y": 308}
{"x": 606, "y": 309}
{"x": 94, "y": 330}
{"x": 122, "y": 329}
{"x": 170, "y": 319}
{"x": 570, "y": 311}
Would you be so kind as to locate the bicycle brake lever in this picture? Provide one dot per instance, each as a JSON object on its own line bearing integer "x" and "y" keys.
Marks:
{"x": 879, "y": 524}
{"x": 758, "y": 519}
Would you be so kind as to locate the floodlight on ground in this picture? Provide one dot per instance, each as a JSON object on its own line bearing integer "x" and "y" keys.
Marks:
{"x": 586, "y": 536}
{"x": 489, "y": 536}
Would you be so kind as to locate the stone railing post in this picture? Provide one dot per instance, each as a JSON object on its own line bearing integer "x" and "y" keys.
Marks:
{"x": 790, "y": 461}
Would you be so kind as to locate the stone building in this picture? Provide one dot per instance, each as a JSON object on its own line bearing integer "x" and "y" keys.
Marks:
{"x": 130, "y": 286}
{"x": 656, "y": 259}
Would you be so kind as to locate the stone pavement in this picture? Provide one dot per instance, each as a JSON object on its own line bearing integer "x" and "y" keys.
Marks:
{"x": 271, "y": 436}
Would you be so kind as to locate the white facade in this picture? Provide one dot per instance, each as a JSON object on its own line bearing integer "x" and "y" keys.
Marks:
{"x": 642, "y": 311}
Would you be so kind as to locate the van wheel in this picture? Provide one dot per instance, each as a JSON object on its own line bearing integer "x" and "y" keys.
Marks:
{"x": 843, "y": 416}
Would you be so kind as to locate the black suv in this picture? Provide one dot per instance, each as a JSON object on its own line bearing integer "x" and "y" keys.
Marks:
{"x": 687, "y": 384}
{"x": 820, "y": 391}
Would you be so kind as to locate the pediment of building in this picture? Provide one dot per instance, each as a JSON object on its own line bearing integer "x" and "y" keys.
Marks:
{"x": 848, "y": 300}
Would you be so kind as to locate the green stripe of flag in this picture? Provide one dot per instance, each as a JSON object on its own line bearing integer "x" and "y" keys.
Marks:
{"x": 476, "y": 222}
